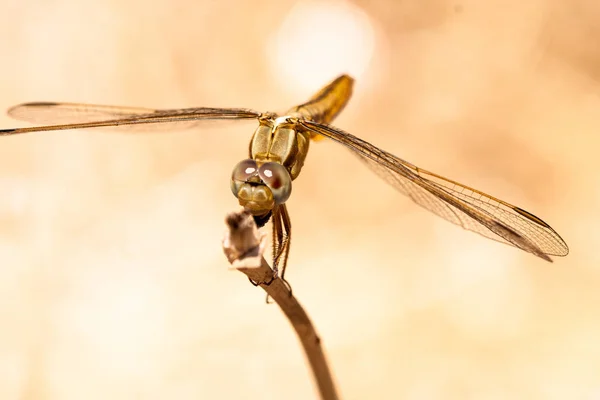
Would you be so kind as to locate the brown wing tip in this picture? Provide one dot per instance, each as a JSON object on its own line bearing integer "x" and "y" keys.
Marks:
{"x": 34, "y": 104}
{"x": 531, "y": 217}
{"x": 562, "y": 243}
{"x": 4, "y": 132}
{"x": 41, "y": 103}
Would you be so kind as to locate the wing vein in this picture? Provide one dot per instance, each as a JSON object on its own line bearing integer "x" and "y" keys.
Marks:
{"x": 457, "y": 203}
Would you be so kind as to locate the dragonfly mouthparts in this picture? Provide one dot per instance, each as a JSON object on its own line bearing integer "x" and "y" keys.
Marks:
{"x": 261, "y": 220}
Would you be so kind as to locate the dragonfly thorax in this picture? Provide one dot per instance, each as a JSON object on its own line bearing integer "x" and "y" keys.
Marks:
{"x": 285, "y": 120}
{"x": 279, "y": 140}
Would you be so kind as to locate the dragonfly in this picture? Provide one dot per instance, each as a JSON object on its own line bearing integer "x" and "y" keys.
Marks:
{"x": 262, "y": 183}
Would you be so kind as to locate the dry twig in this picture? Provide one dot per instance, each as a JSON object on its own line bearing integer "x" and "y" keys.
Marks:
{"x": 244, "y": 246}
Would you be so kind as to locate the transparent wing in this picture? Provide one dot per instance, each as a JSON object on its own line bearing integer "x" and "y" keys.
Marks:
{"x": 72, "y": 113}
{"x": 62, "y": 116}
{"x": 457, "y": 203}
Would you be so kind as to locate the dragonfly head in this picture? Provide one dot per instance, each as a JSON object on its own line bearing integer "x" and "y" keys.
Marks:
{"x": 260, "y": 188}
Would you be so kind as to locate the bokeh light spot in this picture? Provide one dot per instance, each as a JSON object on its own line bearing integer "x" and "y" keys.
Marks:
{"x": 318, "y": 41}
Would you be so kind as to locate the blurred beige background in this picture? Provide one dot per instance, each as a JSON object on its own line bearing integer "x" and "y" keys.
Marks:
{"x": 112, "y": 279}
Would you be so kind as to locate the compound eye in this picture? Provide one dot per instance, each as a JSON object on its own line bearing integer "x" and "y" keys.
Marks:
{"x": 242, "y": 172}
{"x": 277, "y": 178}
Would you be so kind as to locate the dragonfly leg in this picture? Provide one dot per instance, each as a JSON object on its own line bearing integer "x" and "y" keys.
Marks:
{"x": 281, "y": 242}
{"x": 283, "y": 236}
{"x": 262, "y": 283}
{"x": 286, "y": 238}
